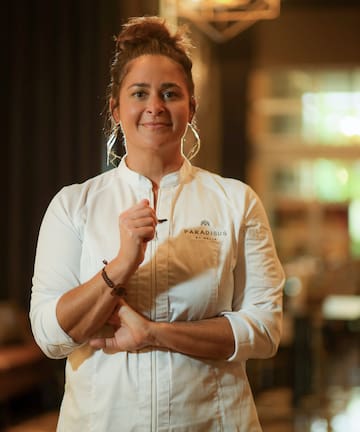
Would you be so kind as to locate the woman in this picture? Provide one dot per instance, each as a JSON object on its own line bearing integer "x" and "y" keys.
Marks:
{"x": 157, "y": 337}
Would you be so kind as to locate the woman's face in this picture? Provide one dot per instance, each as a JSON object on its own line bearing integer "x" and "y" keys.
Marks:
{"x": 154, "y": 104}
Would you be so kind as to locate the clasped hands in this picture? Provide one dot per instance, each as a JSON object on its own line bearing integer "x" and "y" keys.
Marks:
{"x": 132, "y": 331}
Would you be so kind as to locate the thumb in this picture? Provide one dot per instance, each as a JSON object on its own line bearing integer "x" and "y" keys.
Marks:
{"x": 108, "y": 345}
{"x": 144, "y": 202}
{"x": 97, "y": 343}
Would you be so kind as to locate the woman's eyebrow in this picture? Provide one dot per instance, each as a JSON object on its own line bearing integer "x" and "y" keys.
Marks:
{"x": 165, "y": 85}
{"x": 168, "y": 85}
{"x": 138, "y": 85}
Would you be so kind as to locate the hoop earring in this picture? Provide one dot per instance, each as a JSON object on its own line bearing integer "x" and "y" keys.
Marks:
{"x": 112, "y": 146}
{"x": 196, "y": 146}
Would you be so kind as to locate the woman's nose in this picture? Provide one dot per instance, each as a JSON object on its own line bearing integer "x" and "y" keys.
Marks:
{"x": 155, "y": 105}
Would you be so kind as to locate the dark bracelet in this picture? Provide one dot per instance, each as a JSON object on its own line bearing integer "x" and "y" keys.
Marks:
{"x": 117, "y": 290}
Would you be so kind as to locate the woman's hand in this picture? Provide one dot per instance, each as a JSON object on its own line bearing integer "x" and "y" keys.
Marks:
{"x": 137, "y": 226}
{"x": 131, "y": 331}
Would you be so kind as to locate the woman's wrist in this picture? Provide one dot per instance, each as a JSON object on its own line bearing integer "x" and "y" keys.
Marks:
{"x": 155, "y": 330}
{"x": 116, "y": 273}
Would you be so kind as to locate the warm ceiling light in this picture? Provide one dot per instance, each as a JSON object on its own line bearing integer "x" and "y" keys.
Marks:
{"x": 222, "y": 19}
{"x": 210, "y": 4}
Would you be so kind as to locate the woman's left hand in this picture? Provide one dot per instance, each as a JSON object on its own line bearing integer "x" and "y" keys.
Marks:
{"x": 131, "y": 331}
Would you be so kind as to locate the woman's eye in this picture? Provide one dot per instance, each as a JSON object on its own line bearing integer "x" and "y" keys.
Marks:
{"x": 139, "y": 94}
{"x": 169, "y": 95}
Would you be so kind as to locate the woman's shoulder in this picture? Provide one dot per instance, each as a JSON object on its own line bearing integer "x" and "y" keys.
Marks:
{"x": 92, "y": 185}
{"x": 227, "y": 185}
{"x": 239, "y": 195}
{"x": 76, "y": 195}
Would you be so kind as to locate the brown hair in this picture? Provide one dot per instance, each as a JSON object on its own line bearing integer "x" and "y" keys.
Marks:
{"x": 149, "y": 35}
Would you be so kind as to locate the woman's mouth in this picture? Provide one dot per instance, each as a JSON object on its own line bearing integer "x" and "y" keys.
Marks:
{"x": 155, "y": 125}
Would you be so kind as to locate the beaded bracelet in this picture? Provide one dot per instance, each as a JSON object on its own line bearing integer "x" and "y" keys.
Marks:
{"x": 117, "y": 290}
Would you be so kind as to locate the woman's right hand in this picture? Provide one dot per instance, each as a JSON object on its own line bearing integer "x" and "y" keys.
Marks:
{"x": 137, "y": 226}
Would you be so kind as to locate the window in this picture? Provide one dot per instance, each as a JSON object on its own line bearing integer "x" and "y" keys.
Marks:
{"x": 305, "y": 130}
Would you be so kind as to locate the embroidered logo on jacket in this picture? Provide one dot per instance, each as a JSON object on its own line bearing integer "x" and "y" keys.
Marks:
{"x": 205, "y": 232}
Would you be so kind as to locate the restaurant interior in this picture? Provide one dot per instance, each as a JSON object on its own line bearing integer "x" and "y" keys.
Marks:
{"x": 278, "y": 91}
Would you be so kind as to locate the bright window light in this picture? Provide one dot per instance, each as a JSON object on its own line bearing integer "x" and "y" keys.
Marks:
{"x": 331, "y": 117}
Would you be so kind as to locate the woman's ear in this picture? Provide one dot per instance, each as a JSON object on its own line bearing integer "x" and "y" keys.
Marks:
{"x": 114, "y": 110}
{"x": 192, "y": 108}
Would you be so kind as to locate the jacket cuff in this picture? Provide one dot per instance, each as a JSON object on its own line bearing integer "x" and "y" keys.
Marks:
{"x": 242, "y": 349}
{"x": 51, "y": 338}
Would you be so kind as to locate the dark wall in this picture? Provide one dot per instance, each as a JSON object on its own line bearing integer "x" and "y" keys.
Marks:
{"x": 327, "y": 35}
{"x": 235, "y": 59}
{"x": 55, "y": 69}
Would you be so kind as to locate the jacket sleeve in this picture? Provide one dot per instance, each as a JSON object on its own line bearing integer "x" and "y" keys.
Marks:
{"x": 256, "y": 314}
{"x": 56, "y": 270}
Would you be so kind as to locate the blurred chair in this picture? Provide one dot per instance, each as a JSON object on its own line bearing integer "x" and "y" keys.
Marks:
{"x": 23, "y": 366}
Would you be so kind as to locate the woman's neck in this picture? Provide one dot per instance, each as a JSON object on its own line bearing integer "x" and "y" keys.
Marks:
{"x": 153, "y": 166}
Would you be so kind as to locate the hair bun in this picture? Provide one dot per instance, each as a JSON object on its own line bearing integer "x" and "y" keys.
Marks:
{"x": 141, "y": 30}
{"x": 148, "y": 29}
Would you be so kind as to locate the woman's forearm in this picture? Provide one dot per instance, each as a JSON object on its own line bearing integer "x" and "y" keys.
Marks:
{"x": 82, "y": 311}
{"x": 210, "y": 338}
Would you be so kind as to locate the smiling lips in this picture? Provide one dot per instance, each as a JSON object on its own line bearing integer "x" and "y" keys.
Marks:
{"x": 155, "y": 125}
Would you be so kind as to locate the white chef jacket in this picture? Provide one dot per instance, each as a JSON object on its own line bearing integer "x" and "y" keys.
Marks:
{"x": 214, "y": 256}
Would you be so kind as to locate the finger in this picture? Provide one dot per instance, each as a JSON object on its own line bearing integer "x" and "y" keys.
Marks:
{"x": 114, "y": 320}
{"x": 144, "y": 202}
{"x": 122, "y": 302}
{"x": 141, "y": 205}
{"x": 145, "y": 234}
{"x": 145, "y": 215}
{"x": 143, "y": 222}
{"x": 108, "y": 345}
{"x": 141, "y": 212}
{"x": 135, "y": 226}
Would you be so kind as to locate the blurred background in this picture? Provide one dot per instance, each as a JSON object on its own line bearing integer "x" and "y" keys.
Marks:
{"x": 278, "y": 107}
